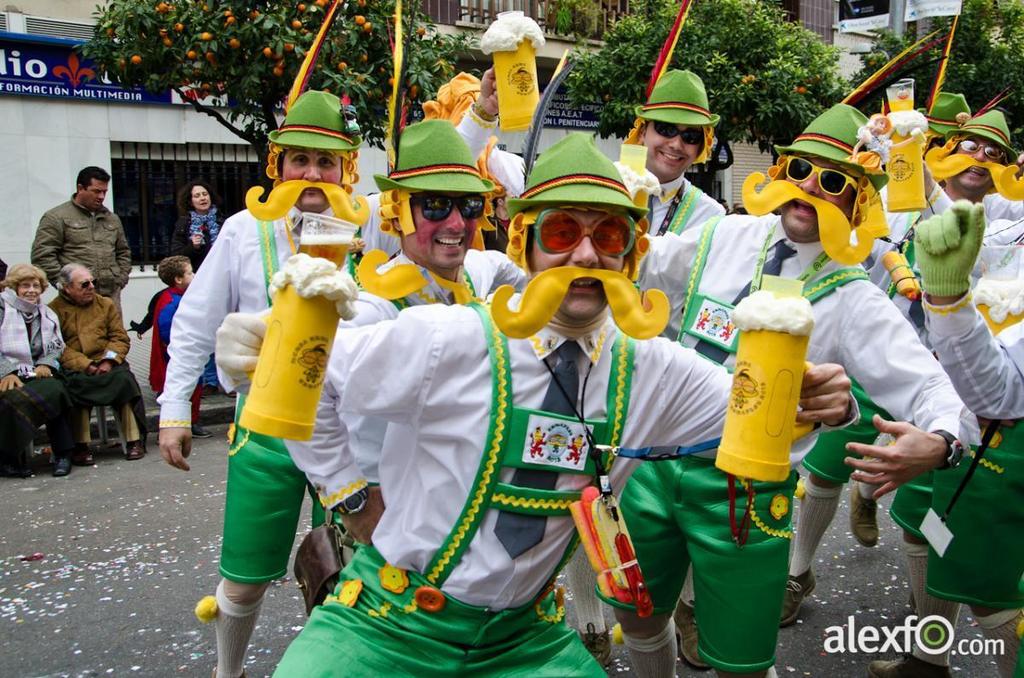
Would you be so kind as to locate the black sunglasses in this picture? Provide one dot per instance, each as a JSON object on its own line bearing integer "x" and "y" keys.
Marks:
{"x": 689, "y": 135}
{"x": 438, "y": 207}
{"x": 86, "y": 284}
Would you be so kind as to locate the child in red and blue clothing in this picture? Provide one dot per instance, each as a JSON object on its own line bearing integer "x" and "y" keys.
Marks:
{"x": 176, "y": 273}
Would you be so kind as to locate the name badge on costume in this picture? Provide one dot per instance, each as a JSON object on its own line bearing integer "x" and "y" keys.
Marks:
{"x": 555, "y": 442}
{"x": 712, "y": 322}
{"x": 935, "y": 531}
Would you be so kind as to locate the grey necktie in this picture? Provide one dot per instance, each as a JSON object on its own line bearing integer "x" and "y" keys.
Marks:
{"x": 780, "y": 252}
{"x": 519, "y": 533}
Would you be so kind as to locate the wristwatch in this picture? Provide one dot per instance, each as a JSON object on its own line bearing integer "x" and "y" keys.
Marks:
{"x": 954, "y": 450}
{"x": 353, "y": 503}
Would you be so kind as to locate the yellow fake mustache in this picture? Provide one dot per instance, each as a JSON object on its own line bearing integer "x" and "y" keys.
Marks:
{"x": 283, "y": 196}
{"x": 1005, "y": 178}
{"x": 641, "y": 316}
{"x": 834, "y": 229}
{"x": 397, "y": 282}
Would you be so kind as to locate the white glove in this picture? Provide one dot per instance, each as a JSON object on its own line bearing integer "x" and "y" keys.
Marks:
{"x": 239, "y": 339}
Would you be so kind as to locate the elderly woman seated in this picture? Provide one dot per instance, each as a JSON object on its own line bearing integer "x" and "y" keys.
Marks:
{"x": 32, "y": 389}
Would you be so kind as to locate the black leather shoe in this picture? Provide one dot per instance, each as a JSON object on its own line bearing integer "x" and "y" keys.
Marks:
{"x": 61, "y": 466}
{"x": 200, "y": 432}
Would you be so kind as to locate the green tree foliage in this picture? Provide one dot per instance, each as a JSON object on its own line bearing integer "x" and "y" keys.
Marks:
{"x": 248, "y": 51}
{"x": 987, "y": 57}
{"x": 767, "y": 78}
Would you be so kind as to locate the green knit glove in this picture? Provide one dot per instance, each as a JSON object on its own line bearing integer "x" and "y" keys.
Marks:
{"x": 947, "y": 245}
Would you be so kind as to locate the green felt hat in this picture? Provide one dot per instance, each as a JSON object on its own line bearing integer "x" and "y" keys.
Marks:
{"x": 990, "y": 125}
{"x": 942, "y": 117}
{"x": 679, "y": 98}
{"x": 574, "y": 172}
{"x": 832, "y": 136}
{"x": 433, "y": 157}
{"x": 316, "y": 120}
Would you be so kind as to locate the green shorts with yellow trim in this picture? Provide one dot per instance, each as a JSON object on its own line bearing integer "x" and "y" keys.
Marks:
{"x": 825, "y": 459}
{"x": 911, "y": 503}
{"x": 984, "y": 563}
{"x": 678, "y": 512}
{"x": 380, "y": 622}
{"x": 261, "y": 512}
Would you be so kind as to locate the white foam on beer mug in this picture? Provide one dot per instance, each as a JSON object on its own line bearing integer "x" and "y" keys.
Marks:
{"x": 762, "y": 310}
{"x": 508, "y": 30}
{"x": 1003, "y": 297}
{"x": 319, "y": 239}
{"x": 315, "y": 277}
{"x": 905, "y": 122}
{"x": 635, "y": 182}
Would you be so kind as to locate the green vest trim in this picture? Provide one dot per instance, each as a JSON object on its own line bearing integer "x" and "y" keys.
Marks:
{"x": 268, "y": 253}
{"x": 487, "y": 491}
{"x": 689, "y": 203}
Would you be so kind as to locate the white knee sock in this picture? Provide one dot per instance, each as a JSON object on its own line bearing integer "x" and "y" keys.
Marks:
{"x": 817, "y": 509}
{"x": 654, "y": 657}
{"x": 234, "y": 628}
{"x": 580, "y": 580}
{"x": 925, "y": 603}
{"x": 1002, "y": 625}
{"x": 686, "y": 595}
{"x": 867, "y": 490}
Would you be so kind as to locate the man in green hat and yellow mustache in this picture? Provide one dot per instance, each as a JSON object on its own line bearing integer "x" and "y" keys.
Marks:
{"x": 828, "y": 214}
{"x": 460, "y": 576}
{"x": 313, "y": 163}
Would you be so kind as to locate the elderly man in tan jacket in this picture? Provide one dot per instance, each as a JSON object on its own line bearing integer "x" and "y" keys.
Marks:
{"x": 94, "y": 361}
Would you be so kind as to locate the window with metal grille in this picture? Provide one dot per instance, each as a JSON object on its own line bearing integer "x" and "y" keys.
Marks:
{"x": 146, "y": 178}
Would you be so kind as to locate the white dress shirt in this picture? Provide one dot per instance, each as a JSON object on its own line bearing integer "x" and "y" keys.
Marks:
{"x": 428, "y": 374}
{"x": 988, "y": 371}
{"x": 856, "y": 325}
{"x": 333, "y": 475}
{"x": 508, "y": 168}
{"x": 706, "y": 207}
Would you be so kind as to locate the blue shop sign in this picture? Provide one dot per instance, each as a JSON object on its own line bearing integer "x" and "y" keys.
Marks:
{"x": 51, "y": 67}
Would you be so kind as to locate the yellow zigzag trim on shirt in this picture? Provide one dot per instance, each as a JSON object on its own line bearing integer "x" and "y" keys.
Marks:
{"x": 479, "y": 495}
{"x": 620, "y": 395}
{"x": 946, "y": 310}
{"x": 232, "y": 451}
{"x": 174, "y": 423}
{"x": 343, "y": 493}
{"x": 521, "y": 502}
{"x": 843, "y": 275}
{"x": 704, "y": 238}
{"x": 995, "y": 468}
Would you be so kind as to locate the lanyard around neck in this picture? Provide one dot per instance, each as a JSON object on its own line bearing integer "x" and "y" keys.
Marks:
{"x": 816, "y": 265}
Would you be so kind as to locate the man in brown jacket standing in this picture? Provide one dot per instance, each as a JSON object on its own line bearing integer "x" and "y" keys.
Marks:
{"x": 94, "y": 361}
{"x": 83, "y": 231}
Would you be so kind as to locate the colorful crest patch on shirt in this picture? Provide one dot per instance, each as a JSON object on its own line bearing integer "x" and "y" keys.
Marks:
{"x": 779, "y": 506}
{"x": 713, "y": 322}
{"x": 555, "y": 442}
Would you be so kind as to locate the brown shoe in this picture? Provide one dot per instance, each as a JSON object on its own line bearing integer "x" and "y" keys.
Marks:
{"x": 598, "y": 644}
{"x": 135, "y": 450}
{"x": 81, "y": 456}
{"x": 687, "y": 636}
{"x": 797, "y": 588}
{"x": 863, "y": 517}
{"x": 907, "y": 667}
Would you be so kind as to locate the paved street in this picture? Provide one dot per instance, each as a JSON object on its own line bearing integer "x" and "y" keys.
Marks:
{"x": 124, "y": 550}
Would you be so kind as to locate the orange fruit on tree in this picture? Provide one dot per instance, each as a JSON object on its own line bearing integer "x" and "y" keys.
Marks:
{"x": 163, "y": 32}
{"x": 191, "y": 54}
{"x": 288, "y": 47}
{"x": 211, "y": 57}
{"x": 414, "y": 91}
{"x": 359, "y": 19}
{"x": 367, "y": 27}
{"x": 421, "y": 31}
{"x": 342, "y": 65}
{"x": 110, "y": 32}
{"x": 235, "y": 43}
{"x": 136, "y": 59}
{"x": 361, "y": 3}
{"x": 206, "y": 36}
{"x": 229, "y": 21}
{"x": 179, "y": 27}
{"x": 363, "y": 57}
{"x": 800, "y": 89}
{"x": 228, "y": 12}
{"x": 254, "y": 14}
{"x": 296, "y": 24}
{"x": 168, "y": 42}
{"x": 267, "y": 52}
{"x": 321, "y": 3}
{"x": 279, "y": 70}
{"x": 301, "y": 7}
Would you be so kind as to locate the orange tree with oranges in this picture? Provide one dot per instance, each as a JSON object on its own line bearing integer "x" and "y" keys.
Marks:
{"x": 766, "y": 77}
{"x": 236, "y": 59}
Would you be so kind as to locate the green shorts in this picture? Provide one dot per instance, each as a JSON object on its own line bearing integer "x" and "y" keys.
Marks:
{"x": 825, "y": 459}
{"x": 985, "y": 561}
{"x": 911, "y": 503}
{"x": 386, "y": 633}
{"x": 261, "y": 513}
{"x": 677, "y": 513}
